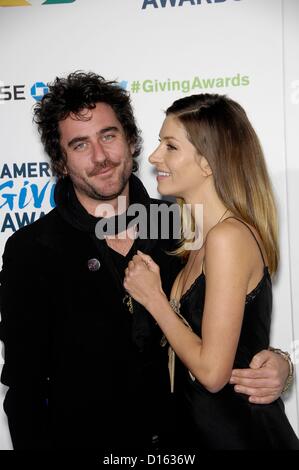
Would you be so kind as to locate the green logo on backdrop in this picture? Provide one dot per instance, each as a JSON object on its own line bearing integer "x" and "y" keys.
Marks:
{"x": 25, "y": 3}
{"x": 51, "y": 2}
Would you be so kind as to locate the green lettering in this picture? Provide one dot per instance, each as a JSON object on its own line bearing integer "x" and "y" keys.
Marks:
{"x": 219, "y": 82}
{"x": 147, "y": 86}
{"x": 196, "y": 83}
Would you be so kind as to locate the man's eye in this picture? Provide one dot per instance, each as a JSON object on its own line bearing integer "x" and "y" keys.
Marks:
{"x": 80, "y": 146}
{"x": 108, "y": 137}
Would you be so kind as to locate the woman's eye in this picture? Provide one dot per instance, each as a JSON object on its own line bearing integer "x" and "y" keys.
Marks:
{"x": 171, "y": 147}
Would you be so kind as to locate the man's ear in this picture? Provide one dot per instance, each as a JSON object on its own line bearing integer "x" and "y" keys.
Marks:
{"x": 63, "y": 163}
{"x": 132, "y": 148}
{"x": 205, "y": 166}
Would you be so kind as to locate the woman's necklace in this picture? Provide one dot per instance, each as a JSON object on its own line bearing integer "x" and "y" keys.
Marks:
{"x": 184, "y": 274}
{"x": 175, "y": 305}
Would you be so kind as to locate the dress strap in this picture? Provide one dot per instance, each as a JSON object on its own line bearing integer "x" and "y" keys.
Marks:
{"x": 251, "y": 231}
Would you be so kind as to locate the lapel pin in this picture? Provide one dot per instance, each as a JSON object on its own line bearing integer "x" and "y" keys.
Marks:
{"x": 93, "y": 264}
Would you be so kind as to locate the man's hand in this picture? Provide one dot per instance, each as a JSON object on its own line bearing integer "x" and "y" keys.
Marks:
{"x": 265, "y": 379}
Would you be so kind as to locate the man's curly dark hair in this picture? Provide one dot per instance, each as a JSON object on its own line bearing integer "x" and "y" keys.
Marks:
{"x": 78, "y": 91}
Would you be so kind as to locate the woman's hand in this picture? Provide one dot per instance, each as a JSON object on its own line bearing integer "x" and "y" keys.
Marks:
{"x": 142, "y": 279}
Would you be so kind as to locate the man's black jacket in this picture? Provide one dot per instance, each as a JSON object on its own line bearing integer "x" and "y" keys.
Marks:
{"x": 82, "y": 372}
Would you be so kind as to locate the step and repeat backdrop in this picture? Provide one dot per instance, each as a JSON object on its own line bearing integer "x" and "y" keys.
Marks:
{"x": 159, "y": 50}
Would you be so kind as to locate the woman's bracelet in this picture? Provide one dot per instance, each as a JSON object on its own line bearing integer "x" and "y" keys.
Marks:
{"x": 287, "y": 358}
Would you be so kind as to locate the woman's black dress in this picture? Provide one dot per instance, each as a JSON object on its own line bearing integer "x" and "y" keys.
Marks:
{"x": 227, "y": 420}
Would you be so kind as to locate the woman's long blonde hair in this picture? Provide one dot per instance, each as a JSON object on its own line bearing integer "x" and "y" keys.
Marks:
{"x": 219, "y": 129}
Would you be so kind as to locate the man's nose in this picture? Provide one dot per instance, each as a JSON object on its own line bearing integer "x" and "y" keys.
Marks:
{"x": 99, "y": 153}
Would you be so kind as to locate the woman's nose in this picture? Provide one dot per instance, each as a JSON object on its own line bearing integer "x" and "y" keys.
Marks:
{"x": 155, "y": 157}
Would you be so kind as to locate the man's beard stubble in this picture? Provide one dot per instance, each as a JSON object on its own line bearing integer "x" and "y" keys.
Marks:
{"x": 91, "y": 192}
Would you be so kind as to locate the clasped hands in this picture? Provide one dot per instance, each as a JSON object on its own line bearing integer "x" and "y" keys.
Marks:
{"x": 263, "y": 381}
{"x": 142, "y": 279}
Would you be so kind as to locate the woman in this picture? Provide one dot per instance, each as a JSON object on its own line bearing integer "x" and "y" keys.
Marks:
{"x": 220, "y": 309}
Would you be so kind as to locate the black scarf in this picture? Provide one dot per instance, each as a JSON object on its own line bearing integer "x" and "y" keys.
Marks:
{"x": 73, "y": 212}
{"x": 144, "y": 330}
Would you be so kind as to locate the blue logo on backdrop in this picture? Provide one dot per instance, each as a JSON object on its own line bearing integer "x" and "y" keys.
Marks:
{"x": 123, "y": 84}
{"x": 178, "y": 3}
{"x": 24, "y": 201}
{"x": 38, "y": 90}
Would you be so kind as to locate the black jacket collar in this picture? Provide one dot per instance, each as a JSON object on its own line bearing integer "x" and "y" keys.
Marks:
{"x": 73, "y": 212}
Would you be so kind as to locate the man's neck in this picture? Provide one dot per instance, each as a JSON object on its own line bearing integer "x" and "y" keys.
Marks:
{"x": 122, "y": 242}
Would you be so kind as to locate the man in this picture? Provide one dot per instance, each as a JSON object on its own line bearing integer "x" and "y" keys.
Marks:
{"x": 83, "y": 370}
